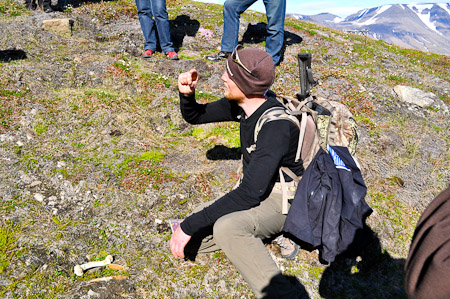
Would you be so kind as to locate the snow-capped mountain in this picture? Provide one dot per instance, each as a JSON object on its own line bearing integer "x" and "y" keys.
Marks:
{"x": 421, "y": 26}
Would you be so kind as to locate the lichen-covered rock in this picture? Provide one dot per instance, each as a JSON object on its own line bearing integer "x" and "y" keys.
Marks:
{"x": 60, "y": 26}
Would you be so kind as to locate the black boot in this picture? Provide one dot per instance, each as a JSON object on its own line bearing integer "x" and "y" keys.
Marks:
{"x": 48, "y": 8}
{"x": 46, "y": 5}
{"x": 219, "y": 56}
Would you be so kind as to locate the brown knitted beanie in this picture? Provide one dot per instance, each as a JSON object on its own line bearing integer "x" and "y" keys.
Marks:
{"x": 427, "y": 269}
{"x": 260, "y": 64}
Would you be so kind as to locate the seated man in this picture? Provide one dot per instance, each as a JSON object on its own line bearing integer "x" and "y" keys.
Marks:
{"x": 238, "y": 222}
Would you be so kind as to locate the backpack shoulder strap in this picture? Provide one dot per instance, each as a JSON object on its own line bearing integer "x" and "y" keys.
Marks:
{"x": 274, "y": 113}
{"x": 307, "y": 130}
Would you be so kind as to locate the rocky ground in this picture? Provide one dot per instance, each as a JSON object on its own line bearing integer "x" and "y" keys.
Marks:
{"x": 95, "y": 157}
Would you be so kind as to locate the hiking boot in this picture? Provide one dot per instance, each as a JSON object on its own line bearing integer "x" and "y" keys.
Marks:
{"x": 172, "y": 55}
{"x": 147, "y": 53}
{"x": 219, "y": 56}
{"x": 289, "y": 250}
{"x": 47, "y": 8}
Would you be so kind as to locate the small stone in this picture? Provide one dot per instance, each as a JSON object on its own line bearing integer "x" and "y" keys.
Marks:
{"x": 39, "y": 197}
{"x": 35, "y": 183}
{"x": 19, "y": 143}
{"x": 61, "y": 164}
{"x": 26, "y": 179}
{"x": 92, "y": 294}
{"x": 43, "y": 268}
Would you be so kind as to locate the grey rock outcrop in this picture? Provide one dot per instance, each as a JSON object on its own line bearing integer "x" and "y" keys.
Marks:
{"x": 420, "y": 98}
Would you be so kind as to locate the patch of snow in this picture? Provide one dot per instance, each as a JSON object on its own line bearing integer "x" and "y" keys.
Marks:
{"x": 422, "y": 43}
{"x": 383, "y": 9}
{"x": 425, "y": 18}
{"x": 427, "y": 41}
{"x": 363, "y": 13}
{"x": 421, "y": 7}
{"x": 337, "y": 20}
{"x": 373, "y": 19}
{"x": 444, "y": 6}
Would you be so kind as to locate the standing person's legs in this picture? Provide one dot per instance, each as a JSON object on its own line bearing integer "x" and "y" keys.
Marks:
{"x": 240, "y": 235}
{"x": 232, "y": 10}
{"x": 30, "y": 4}
{"x": 276, "y": 12}
{"x": 147, "y": 24}
{"x": 159, "y": 11}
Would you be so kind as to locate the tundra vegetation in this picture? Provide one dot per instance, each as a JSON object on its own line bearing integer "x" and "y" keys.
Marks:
{"x": 95, "y": 156}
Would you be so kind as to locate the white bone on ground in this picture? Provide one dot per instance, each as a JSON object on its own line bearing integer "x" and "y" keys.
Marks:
{"x": 78, "y": 269}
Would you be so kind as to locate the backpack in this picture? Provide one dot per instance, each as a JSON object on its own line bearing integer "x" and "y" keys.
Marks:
{"x": 321, "y": 122}
{"x": 328, "y": 210}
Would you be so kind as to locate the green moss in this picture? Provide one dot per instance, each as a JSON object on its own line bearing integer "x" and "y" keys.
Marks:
{"x": 30, "y": 161}
{"x": 226, "y": 133}
{"x": 205, "y": 97}
{"x": 11, "y": 8}
{"x": 40, "y": 128}
{"x": 396, "y": 79}
{"x": 155, "y": 80}
{"x": 156, "y": 156}
{"x": 9, "y": 234}
{"x": 397, "y": 215}
{"x": 8, "y": 206}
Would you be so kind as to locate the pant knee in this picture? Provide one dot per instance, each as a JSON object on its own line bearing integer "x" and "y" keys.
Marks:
{"x": 230, "y": 8}
{"x": 160, "y": 13}
{"x": 229, "y": 229}
{"x": 222, "y": 229}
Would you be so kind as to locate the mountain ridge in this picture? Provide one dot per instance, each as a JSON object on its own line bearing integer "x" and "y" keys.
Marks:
{"x": 424, "y": 27}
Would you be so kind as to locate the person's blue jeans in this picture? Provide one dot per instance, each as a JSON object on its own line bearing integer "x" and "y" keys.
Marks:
{"x": 154, "y": 23}
{"x": 275, "y": 12}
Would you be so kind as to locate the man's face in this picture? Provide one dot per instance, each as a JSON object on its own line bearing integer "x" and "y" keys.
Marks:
{"x": 232, "y": 91}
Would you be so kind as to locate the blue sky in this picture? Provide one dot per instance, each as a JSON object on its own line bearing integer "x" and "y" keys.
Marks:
{"x": 341, "y": 8}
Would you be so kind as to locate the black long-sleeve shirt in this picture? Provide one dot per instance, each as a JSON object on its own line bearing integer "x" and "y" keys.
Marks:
{"x": 276, "y": 146}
